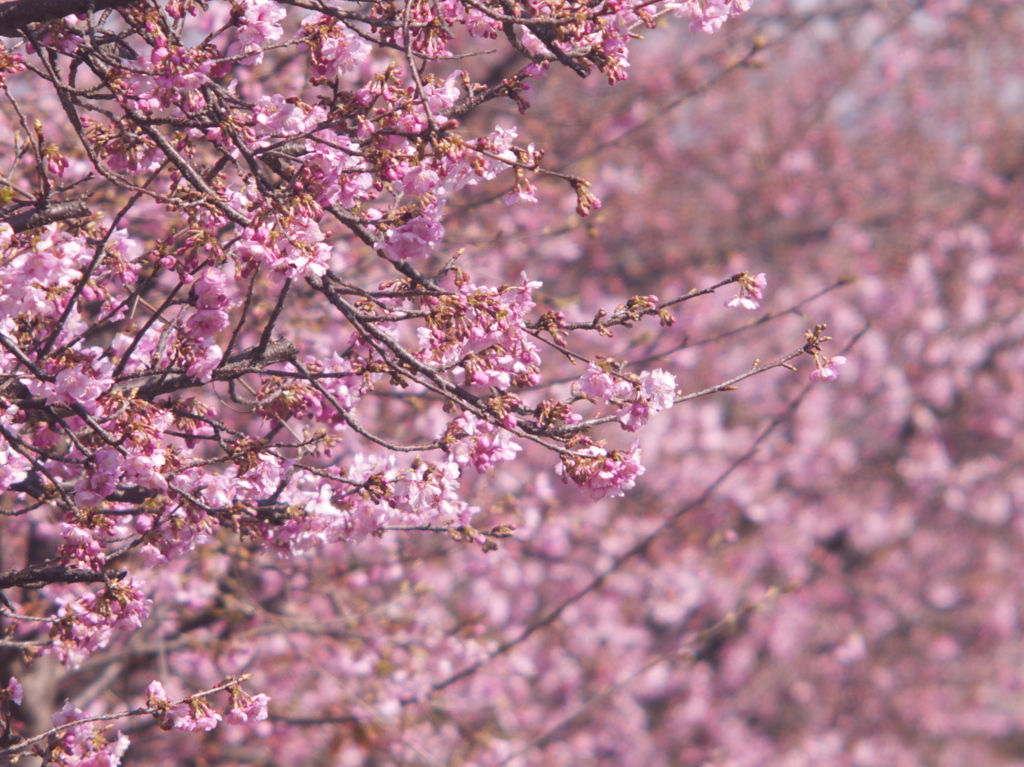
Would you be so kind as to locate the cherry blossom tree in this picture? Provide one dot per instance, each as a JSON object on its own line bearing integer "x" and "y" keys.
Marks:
{"x": 307, "y": 307}
{"x": 847, "y": 596}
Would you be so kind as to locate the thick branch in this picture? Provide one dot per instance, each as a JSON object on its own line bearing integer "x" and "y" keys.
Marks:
{"x": 238, "y": 365}
{"x": 37, "y": 217}
{"x": 36, "y": 577}
{"x": 15, "y": 16}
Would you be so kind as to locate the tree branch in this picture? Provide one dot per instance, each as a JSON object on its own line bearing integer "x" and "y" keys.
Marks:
{"x": 249, "y": 361}
{"x": 15, "y": 16}
{"x": 37, "y": 577}
{"x": 41, "y": 216}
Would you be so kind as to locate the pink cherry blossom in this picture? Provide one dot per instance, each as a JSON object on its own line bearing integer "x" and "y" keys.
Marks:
{"x": 750, "y": 291}
{"x": 414, "y": 240}
{"x": 15, "y": 691}
{"x": 828, "y": 369}
{"x": 274, "y": 279}
{"x": 260, "y": 25}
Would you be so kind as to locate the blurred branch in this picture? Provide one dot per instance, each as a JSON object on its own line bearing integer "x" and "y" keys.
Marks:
{"x": 249, "y": 361}
{"x": 37, "y": 577}
{"x": 14, "y": 16}
{"x": 638, "y": 549}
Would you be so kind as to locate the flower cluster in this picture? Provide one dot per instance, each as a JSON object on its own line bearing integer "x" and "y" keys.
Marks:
{"x": 259, "y": 25}
{"x": 80, "y": 742}
{"x": 232, "y": 324}
{"x": 479, "y": 443}
{"x": 480, "y": 334}
{"x": 639, "y": 397}
{"x": 825, "y": 368}
{"x": 414, "y": 240}
{"x": 169, "y": 79}
{"x": 750, "y": 291}
{"x": 601, "y": 473}
{"x": 84, "y": 625}
{"x": 194, "y": 713}
{"x": 708, "y": 15}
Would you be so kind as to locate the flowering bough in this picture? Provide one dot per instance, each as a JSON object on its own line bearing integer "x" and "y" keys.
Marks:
{"x": 750, "y": 291}
{"x": 211, "y": 287}
{"x": 78, "y": 739}
{"x": 826, "y": 368}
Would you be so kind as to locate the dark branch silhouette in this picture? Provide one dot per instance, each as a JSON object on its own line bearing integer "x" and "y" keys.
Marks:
{"x": 39, "y": 576}
{"x": 37, "y": 217}
{"x": 15, "y": 16}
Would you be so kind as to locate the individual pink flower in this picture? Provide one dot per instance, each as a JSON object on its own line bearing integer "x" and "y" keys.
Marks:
{"x": 192, "y": 714}
{"x": 443, "y": 95}
{"x": 480, "y": 25}
{"x": 750, "y": 291}
{"x": 421, "y": 180}
{"x": 80, "y": 384}
{"x": 483, "y": 445}
{"x": 335, "y": 49}
{"x": 414, "y": 240}
{"x": 600, "y": 473}
{"x": 708, "y": 16}
{"x": 523, "y": 194}
{"x": 15, "y": 691}
{"x": 203, "y": 360}
{"x": 195, "y": 715}
{"x": 156, "y": 695}
{"x": 74, "y": 385}
{"x": 636, "y": 415}
{"x": 655, "y": 391}
{"x": 67, "y": 715}
{"x": 211, "y": 290}
{"x": 600, "y": 385}
{"x": 205, "y": 323}
{"x": 260, "y": 25}
{"x": 245, "y": 708}
{"x": 658, "y": 388}
{"x": 827, "y": 369}
{"x": 102, "y": 481}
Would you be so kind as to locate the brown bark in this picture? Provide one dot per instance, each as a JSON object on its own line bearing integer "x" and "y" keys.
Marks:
{"x": 36, "y": 217}
{"x": 15, "y": 16}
